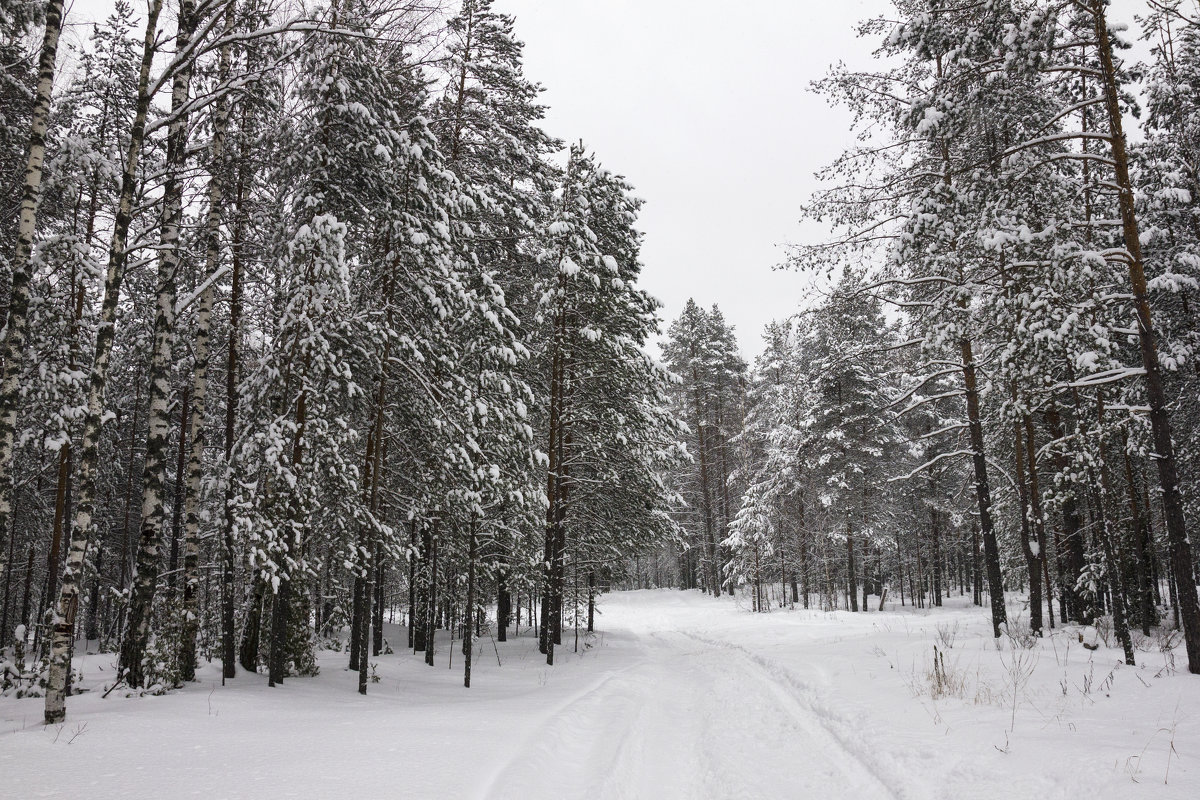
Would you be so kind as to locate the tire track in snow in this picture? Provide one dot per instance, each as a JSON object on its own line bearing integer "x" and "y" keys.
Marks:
{"x": 523, "y": 772}
{"x": 690, "y": 719}
{"x": 800, "y": 698}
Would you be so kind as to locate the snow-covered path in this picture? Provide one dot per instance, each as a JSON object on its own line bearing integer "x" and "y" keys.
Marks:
{"x": 677, "y": 696}
{"x": 687, "y": 718}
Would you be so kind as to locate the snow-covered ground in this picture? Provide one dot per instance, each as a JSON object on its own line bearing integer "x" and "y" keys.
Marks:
{"x": 677, "y": 696}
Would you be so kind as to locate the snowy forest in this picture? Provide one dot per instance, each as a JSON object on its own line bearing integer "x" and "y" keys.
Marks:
{"x": 325, "y": 362}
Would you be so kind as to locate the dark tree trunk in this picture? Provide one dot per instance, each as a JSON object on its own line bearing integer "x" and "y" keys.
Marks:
{"x": 356, "y": 621}
{"x": 468, "y": 626}
{"x": 1029, "y": 546}
{"x": 92, "y": 629}
{"x": 851, "y": 577}
{"x": 252, "y": 631}
{"x": 1039, "y": 519}
{"x": 377, "y": 626}
{"x": 936, "y": 541}
{"x": 177, "y": 509}
{"x": 976, "y": 568}
{"x": 1071, "y": 546}
{"x": 983, "y": 493}
{"x": 413, "y": 613}
{"x": 431, "y": 614}
{"x": 1143, "y": 594}
{"x": 422, "y": 608}
{"x": 504, "y": 606}
{"x": 1160, "y": 422}
{"x": 591, "y": 612}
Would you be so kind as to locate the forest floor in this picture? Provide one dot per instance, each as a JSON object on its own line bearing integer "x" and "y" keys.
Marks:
{"x": 676, "y": 695}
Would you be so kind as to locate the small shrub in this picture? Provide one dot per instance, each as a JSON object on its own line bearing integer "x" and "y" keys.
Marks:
{"x": 940, "y": 679}
{"x": 1020, "y": 636}
{"x": 1166, "y": 639}
{"x": 947, "y": 633}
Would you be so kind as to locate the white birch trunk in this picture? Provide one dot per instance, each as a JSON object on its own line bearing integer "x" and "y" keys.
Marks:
{"x": 198, "y": 434}
{"x": 81, "y": 526}
{"x": 12, "y": 350}
{"x": 154, "y": 474}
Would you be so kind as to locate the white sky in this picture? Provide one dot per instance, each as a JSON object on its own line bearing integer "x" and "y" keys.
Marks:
{"x": 705, "y": 107}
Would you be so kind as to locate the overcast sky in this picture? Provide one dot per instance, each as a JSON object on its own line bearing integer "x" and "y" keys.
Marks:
{"x": 705, "y": 107}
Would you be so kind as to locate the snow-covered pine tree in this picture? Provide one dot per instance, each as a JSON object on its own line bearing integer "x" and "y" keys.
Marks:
{"x": 608, "y": 431}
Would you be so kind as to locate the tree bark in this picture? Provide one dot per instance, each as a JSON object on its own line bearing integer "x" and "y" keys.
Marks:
{"x": 181, "y": 456}
{"x": 13, "y": 346}
{"x": 431, "y": 615}
{"x": 851, "y": 577}
{"x": 469, "y": 626}
{"x": 591, "y": 612}
{"x": 1160, "y": 422}
{"x": 983, "y": 492}
{"x": 1071, "y": 549}
{"x": 158, "y": 422}
{"x": 504, "y": 606}
{"x": 281, "y": 606}
{"x": 68, "y": 603}
{"x": 1039, "y": 518}
{"x": 710, "y": 544}
{"x": 198, "y": 434}
{"x": 1029, "y": 547}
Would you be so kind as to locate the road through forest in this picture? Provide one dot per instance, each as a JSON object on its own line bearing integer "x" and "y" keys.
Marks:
{"x": 687, "y": 718}
{"x": 676, "y": 695}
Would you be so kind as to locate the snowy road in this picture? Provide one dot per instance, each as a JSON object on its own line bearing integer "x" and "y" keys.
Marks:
{"x": 687, "y": 719}
{"x": 678, "y": 696}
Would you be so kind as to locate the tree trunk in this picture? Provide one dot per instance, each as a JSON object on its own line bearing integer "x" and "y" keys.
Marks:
{"x": 976, "y": 568}
{"x": 851, "y": 577}
{"x": 413, "y": 614}
{"x": 710, "y": 544}
{"x": 1039, "y": 518}
{"x": 13, "y": 346}
{"x": 64, "y": 621}
{"x": 281, "y": 606}
{"x": 504, "y": 606}
{"x": 983, "y": 493}
{"x": 1108, "y": 542}
{"x": 363, "y": 622}
{"x": 468, "y": 626}
{"x": 1070, "y": 549}
{"x": 431, "y": 615}
{"x": 936, "y": 541}
{"x": 591, "y": 612}
{"x": 377, "y": 620}
{"x": 1029, "y": 547}
{"x": 4, "y": 598}
{"x": 181, "y": 456}
{"x": 154, "y": 471}
{"x": 545, "y": 640}
{"x": 1160, "y": 423}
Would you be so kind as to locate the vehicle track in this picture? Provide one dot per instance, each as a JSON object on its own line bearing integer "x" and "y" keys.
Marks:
{"x": 691, "y": 718}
